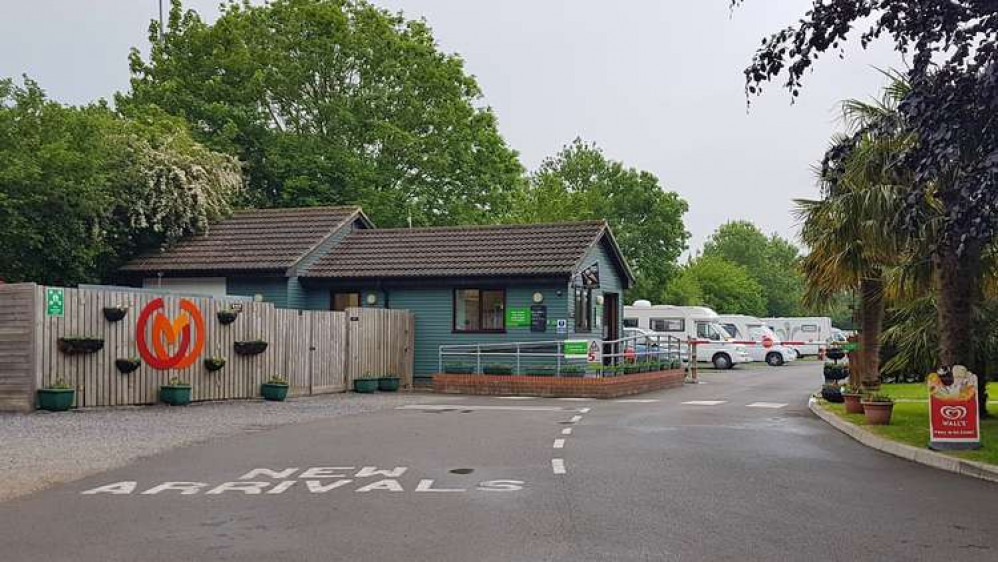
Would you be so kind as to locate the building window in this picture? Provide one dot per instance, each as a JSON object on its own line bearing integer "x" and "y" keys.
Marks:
{"x": 342, "y": 301}
{"x": 479, "y": 310}
{"x": 583, "y": 310}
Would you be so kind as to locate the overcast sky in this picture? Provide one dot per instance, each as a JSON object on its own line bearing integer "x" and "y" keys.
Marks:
{"x": 657, "y": 84}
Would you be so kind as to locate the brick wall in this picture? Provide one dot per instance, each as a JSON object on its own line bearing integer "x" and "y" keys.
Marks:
{"x": 557, "y": 387}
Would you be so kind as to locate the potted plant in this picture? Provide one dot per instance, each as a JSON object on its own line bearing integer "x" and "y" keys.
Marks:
{"x": 115, "y": 313}
{"x": 878, "y": 409}
{"x": 852, "y": 398}
{"x": 176, "y": 392}
{"x": 459, "y": 369}
{"x": 835, "y": 372}
{"x": 275, "y": 389}
{"x": 226, "y": 316}
{"x": 832, "y": 393}
{"x": 365, "y": 384}
{"x": 498, "y": 369}
{"x": 250, "y": 347}
{"x": 389, "y": 383}
{"x": 56, "y": 397}
{"x": 214, "y": 363}
{"x": 127, "y": 364}
{"x": 77, "y": 346}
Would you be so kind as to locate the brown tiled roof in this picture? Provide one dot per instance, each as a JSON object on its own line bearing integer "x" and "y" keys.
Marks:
{"x": 536, "y": 249}
{"x": 252, "y": 240}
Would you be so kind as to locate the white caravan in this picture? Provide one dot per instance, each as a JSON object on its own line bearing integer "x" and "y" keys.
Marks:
{"x": 806, "y": 335}
{"x": 762, "y": 343}
{"x": 688, "y": 323}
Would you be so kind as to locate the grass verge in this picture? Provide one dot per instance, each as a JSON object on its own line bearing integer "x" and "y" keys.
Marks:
{"x": 910, "y": 425}
{"x": 920, "y": 391}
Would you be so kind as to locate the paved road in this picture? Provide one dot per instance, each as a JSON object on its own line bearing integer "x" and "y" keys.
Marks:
{"x": 733, "y": 469}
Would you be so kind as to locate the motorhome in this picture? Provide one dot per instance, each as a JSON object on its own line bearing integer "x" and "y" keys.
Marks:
{"x": 761, "y": 342}
{"x": 688, "y": 323}
{"x": 806, "y": 335}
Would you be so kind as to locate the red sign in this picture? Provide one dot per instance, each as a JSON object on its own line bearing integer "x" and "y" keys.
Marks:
{"x": 164, "y": 334}
{"x": 954, "y": 420}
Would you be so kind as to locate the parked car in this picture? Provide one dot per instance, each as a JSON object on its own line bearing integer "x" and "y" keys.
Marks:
{"x": 762, "y": 343}
{"x": 688, "y": 323}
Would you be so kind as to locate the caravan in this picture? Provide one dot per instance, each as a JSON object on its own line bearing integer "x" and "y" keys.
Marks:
{"x": 806, "y": 335}
{"x": 762, "y": 343}
{"x": 688, "y": 323}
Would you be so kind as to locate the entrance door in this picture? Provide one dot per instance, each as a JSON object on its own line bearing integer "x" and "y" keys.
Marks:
{"x": 611, "y": 324}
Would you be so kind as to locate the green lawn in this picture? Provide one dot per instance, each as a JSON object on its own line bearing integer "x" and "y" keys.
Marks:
{"x": 910, "y": 424}
{"x": 920, "y": 391}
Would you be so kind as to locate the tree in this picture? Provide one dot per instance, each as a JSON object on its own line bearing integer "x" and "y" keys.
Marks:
{"x": 333, "y": 102}
{"x": 580, "y": 183}
{"x": 83, "y": 189}
{"x": 772, "y": 261}
{"x": 719, "y": 284}
{"x": 952, "y": 109}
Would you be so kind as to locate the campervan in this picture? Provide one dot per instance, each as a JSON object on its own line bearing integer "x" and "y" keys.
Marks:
{"x": 687, "y": 323}
{"x": 806, "y": 335}
{"x": 761, "y": 342}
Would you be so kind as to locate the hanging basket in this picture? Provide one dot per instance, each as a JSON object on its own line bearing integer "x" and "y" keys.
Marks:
{"x": 214, "y": 363}
{"x": 79, "y": 346}
{"x": 128, "y": 365}
{"x": 115, "y": 313}
{"x": 226, "y": 317}
{"x": 250, "y": 347}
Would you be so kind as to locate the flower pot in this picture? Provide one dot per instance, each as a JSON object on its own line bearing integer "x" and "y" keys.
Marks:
{"x": 388, "y": 384}
{"x": 115, "y": 313}
{"x": 56, "y": 399}
{"x": 126, "y": 366}
{"x": 833, "y": 395}
{"x": 250, "y": 347}
{"x": 878, "y": 413}
{"x": 853, "y": 403}
{"x": 274, "y": 391}
{"x": 365, "y": 386}
{"x": 175, "y": 395}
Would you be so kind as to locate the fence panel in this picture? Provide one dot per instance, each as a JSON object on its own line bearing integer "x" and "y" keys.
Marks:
{"x": 380, "y": 342}
{"x": 19, "y": 314}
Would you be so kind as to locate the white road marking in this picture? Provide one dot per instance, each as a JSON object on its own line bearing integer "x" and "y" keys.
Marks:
{"x": 575, "y": 419}
{"x": 584, "y": 410}
{"x": 637, "y": 401}
{"x": 558, "y": 466}
{"x": 559, "y": 444}
{"x": 508, "y": 408}
{"x": 575, "y": 399}
{"x": 518, "y": 398}
{"x": 705, "y": 402}
{"x": 566, "y": 431}
{"x": 773, "y": 405}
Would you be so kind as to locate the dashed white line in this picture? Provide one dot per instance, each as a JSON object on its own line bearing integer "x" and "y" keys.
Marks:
{"x": 518, "y": 398}
{"x": 636, "y": 401}
{"x": 705, "y": 402}
{"x": 584, "y": 410}
{"x": 558, "y": 466}
{"x": 773, "y": 405}
{"x": 575, "y": 399}
{"x": 558, "y": 444}
{"x": 566, "y": 431}
{"x": 575, "y": 419}
{"x": 506, "y": 408}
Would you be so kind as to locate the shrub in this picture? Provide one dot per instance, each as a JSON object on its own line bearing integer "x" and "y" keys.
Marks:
{"x": 278, "y": 379}
{"x": 59, "y": 384}
{"x": 498, "y": 369}
{"x": 178, "y": 382}
{"x": 459, "y": 369}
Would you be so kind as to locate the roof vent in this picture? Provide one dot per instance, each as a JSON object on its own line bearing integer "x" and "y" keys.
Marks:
{"x": 642, "y": 304}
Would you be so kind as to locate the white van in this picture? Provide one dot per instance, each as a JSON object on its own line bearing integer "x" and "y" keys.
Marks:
{"x": 688, "y": 323}
{"x": 762, "y": 343}
{"x": 807, "y": 335}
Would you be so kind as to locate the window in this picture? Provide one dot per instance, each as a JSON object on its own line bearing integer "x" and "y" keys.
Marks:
{"x": 479, "y": 310}
{"x": 809, "y": 328}
{"x": 731, "y": 329}
{"x": 630, "y": 322}
{"x": 707, "y": 332}
{"x": 343, "y": 301}
{"x": 667, "y": 325}
{"x": 583, "y": 310}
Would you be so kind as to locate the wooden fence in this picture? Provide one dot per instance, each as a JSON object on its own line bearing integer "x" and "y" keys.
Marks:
{"x": 317, "y": 351}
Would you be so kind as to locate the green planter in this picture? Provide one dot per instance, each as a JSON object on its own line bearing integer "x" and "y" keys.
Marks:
{"x": 388, "y": 384}
{"x": 365, "y": 386}
{"x": 175, "y": 395}
{"x": 56, "y": 399}
{"x": 274, "y": 392}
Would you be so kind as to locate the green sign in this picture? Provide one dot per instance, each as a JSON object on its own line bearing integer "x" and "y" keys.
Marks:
{"x": 517, "y": 317}
{"x": 55, "y": 302}
{"x": 576, "y": 348}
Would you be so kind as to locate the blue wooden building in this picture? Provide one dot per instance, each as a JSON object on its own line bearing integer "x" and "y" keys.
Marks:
{"x": 464, "y": 285}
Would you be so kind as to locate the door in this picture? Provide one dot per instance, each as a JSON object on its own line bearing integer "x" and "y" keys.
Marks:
{"x": 611, "y": 324}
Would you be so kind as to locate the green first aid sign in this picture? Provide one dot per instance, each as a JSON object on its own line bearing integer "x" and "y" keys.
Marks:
{"x": 55, "y": 302}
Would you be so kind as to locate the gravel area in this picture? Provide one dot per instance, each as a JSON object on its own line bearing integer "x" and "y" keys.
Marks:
{"x": 41, "y": 449}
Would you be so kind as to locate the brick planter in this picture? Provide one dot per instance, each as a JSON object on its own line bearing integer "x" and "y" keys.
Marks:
{"x": 557, "y": 387}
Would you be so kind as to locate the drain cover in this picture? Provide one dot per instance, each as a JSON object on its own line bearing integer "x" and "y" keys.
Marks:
{"x": 462, "y": 470}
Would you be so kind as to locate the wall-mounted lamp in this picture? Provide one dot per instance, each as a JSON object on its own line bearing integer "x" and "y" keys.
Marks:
{"x": 372, "y": 298}
{"x": 538, "y": 297}
{"x": 599, "y": 300}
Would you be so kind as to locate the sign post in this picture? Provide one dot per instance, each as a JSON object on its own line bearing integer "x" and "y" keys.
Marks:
{"x": 954, "y": 419}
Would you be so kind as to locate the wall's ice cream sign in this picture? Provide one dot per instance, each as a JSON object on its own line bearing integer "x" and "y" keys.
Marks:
{"x": 954, "y": 419}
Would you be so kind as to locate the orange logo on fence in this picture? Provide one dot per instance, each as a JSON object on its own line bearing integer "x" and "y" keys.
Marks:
{"x": 175, "y": 334}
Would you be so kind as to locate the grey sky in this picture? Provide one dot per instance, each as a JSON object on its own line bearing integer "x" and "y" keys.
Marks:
{"x": 656, "y": 83}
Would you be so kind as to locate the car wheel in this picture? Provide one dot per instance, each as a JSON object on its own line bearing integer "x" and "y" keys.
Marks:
{"x": 722, "y": 361}
{"x": 774, "y": 360}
